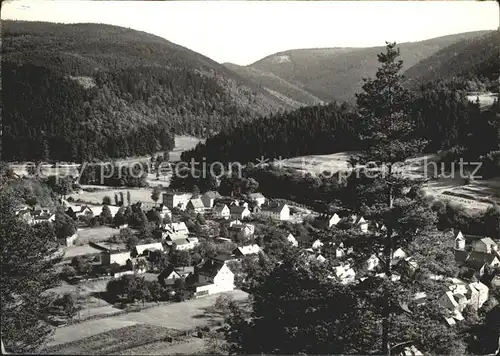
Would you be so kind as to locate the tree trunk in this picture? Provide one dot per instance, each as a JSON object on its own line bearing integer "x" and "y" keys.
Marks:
{"x": 389, "y": 250}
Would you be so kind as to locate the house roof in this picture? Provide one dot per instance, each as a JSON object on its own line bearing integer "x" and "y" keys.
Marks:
{"x": 235, "y": 209}
{"x": 488, "y": 241}
{"x": 210, "y": 268}
{"x": 147, "y": 206}
{"x": 481, "y": 257}
{"x": 255, "y": 195}
{"x": 175, "y": 227}
{"x": 461, "y": 256}
{"x": 183, "y": 241}
{"x": 249, "y": 250}
{"x": 212, "y": 194}
{"x": 223, "y": 257}
{"x": 151, "y": 247}
{"x": 274, "y": 209}
{"x": 219, "y": 207}
{"x": 197, "y": 203}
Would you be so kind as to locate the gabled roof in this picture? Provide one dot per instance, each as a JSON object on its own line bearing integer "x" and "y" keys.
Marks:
{"x": 488, "y": 241}
{"x": 461, "y": 256}
{"x": 220, "y": 207}
{"x": 197, "y": 203}
{"x": 249, "y": 250}
{"x": 235, "y": 209}
{"x": 481, "y": 257}
{"x": 274, "y": 208}
{"x": 210, "y": 268}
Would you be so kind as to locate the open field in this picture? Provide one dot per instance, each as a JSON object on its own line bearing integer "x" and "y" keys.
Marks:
{"x": 95, "y": 234}
{"x": 179, "y": 316}
{"x": 136, "y": 195}
{"x": 183, "y": 143}
{"x": 476, "y": 196}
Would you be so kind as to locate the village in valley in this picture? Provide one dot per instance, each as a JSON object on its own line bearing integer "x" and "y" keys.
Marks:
{"x": 187, "y": 245}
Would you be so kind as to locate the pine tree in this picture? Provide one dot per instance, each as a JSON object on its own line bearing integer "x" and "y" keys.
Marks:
{"x": 387, "y": 141}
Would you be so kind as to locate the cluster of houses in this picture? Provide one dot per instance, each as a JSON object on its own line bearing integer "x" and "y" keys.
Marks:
{"x": 225, "y": 208}
{"x": 36, "y": 214}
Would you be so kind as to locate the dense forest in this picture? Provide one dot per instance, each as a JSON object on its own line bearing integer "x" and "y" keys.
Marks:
{"x": 308, "y": 130}
{"x": 441, "y": 114}
{"x": 90, "y": 91}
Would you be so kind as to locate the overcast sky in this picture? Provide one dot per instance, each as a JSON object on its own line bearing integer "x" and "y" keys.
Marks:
{"x": 243, "y": 32}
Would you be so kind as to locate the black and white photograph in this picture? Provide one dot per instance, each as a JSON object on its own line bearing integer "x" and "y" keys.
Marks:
{"x": 250, "y": 177}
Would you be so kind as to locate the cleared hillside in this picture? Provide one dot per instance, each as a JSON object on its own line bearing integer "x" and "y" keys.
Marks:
{"x": 84, "y": 91}
{"x": 275, "y": 84}
{"x": 337, "y": 73}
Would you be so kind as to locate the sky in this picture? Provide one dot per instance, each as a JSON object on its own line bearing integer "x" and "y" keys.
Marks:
{"x": 243, "y": 32}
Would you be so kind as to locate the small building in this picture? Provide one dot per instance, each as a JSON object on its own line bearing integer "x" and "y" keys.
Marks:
{"x": 112, "y": 253}
{"x": 196, "y": 205}
{"x": 221, "y": 211}
{"x": 184, "y": 244}
{"x": 26, "y": 216}
{"x": 177, "y": 228}
{"x": 485, "y": 245}
{"x": 241, "y": 231}
{"x": 258, "y": 198}
{"x": 68, "y": 240}
{"x": 209, "y": 198}
{"x": 176, "y": 200}
{"x": 325, "y": 221}
{"x": 372, "y": 262}
{"x": 317, "y": 245}
{"x": 359, "y": 222}
{"x": 239, "y": 212}
{"x": 459, "y": 241}
{"x": 168, "y": 276}
{"x": 214, "y": 276}
{"x": 280, "y": 212}
{"x": 246, "y": 250}
{"x": 146, "y": 248}
{"x": 290, "y": 238}
{"x": 397, "y": 256}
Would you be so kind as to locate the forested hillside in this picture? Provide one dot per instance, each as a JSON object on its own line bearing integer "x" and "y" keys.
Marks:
{"x": 309, "y": 130}
{"x": 475, "y": 59}
{"x": 337, "y": 73}
{"x": 276, "y": 85}
{"x": 86, "y": 91}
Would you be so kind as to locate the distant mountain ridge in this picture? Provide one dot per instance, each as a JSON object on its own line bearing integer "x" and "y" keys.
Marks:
{"x": 85, "y": 91}
{"x": 336, "y": 73}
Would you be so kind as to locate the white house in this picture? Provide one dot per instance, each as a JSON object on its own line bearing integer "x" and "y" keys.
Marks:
{"x": 178, "y": 228}
{"x": 258, "y": 198}
{"x": 176, "y": 200}
{"x": 345, "y": 273}
{"x": 246, "y": 250}
{"x": 327, "y": 221}
{"x": 459, "y": 241}
{"x": 213, "y": 277}
{"x": 485, "y": 245}
{"x": 317, "y": 244}
{"x": 397, "y": 256}
{"x": 221, "y": 211}
{"x": 196, "y": 205}
{"x": 279, "y": 212}
{"x": 140, "y": 249}
{"x": 360, "y": 222}
{"x": 239, "y": 212}
{"x": 208, "y": 198}
{"x": 241, "y": 231}
{"x": 184, "y": 244}
{"x": 290, "y": 238}
{"x": 372, "y": 262}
